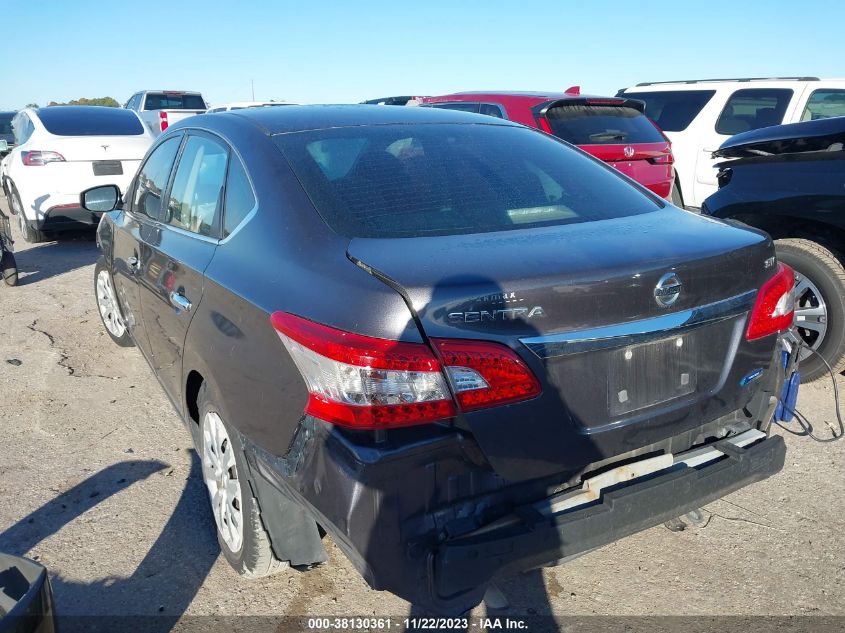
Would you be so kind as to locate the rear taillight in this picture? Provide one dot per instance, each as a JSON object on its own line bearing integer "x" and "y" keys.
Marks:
{"x": 371, "y": 383}
{"x": 162, "y": 116}
{"x": 485, "y": 374}
{"x": 35, "y": 158}
{"x": 773, "y": 310}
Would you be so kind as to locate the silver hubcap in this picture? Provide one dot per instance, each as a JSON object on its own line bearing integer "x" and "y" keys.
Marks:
{"x": 107, "y": 303}
{"x": 221, "y": 479}
{"x": 810, "y": 313}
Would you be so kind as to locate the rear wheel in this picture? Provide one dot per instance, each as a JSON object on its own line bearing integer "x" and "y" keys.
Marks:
{"x": 9, "y": 269}
{"x": 240, "y": 532}
{"x": 108, "y": 306}
{"x": 29, "y": 234}
{"x": 819, "y": 304}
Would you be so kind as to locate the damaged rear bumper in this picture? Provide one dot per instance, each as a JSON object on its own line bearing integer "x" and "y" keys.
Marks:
{"x": 412, "y": 521}
{"x": 461, "y": 565}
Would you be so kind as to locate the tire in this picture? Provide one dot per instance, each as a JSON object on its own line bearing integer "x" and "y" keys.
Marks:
{"x": 29, "y": 234}
{"x": 108, "y": 306}
{"x": 9, "y": 269}
{"x": 675, "y": 195}
{"x": 247, "y": 550}
{"x": 820, "y": 286}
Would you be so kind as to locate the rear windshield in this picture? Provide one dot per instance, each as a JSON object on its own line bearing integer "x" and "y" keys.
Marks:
{"x": 602, "y": 125}
{"x": 445, "y": 179}
{"x": 673, "y": 111}
{"x": 164, "y": 101}
{"x": 90, "y": 121}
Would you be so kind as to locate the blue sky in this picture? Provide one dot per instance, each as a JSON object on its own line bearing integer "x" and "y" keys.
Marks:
{"x": 331, "y": 51}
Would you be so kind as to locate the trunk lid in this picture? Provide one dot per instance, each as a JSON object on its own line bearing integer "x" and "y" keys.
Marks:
{"x": 577, "y": 303}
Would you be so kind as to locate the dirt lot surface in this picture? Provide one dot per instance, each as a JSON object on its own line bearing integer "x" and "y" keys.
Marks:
{"x": 99, "y": 482}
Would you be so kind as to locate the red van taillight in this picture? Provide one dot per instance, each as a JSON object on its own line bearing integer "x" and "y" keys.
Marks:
{"x": 371, "y": 383}
{"x": 162, "y": 116}
{"x": 773, "y": 310}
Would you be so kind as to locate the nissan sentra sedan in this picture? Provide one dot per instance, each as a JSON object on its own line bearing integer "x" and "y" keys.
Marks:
{"x": 459, "y": 346}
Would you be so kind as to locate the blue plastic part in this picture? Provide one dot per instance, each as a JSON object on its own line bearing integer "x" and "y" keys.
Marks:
{"x": 788, "y": 398}
{"x": 754, "y": 375}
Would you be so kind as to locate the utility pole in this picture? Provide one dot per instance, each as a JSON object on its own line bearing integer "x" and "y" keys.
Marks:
{"x": 252, "y": 84}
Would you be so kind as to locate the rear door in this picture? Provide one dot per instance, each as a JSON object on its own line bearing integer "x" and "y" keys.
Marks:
{"x": 746, "y": 109}
{"x": 618, "y": 134}
{"x": 172, "y": 284}
{"x": 136, "y": 228}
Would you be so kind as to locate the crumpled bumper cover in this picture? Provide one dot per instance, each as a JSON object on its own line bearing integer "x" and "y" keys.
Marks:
{"x": 461, "y": 565}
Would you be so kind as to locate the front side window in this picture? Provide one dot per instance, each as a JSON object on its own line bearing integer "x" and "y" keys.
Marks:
{"x": 824, "y": 104}
{"x": 444, "y": 179}
{"x": 197, "y": 189}
{"x": 602, "y": 125}
{"x": 153, "y": 177}
{"x": 239, "y": 197}
{"x": 752, "y": 109}
{"x": 673, "y": 110}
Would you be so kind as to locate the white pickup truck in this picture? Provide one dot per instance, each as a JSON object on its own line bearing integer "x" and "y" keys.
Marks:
{"x": 160, "y": 109}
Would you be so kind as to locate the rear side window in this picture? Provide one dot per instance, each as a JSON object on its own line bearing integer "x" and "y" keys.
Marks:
{"x": 753, "y": 108}
{"x": 22, "y": 128}
{"x": 197, "y": 189}
{"x": 602, "y": 125}
{"x": 153, "y": 177}
{"x": 90, "y": 121}
{"x": 673, "y": 110}
{"x": 239, "y": 197}
{"x": 824, "y": 104}
{"x": 462, "y": 106}
{"x": 166, "y": 101}
{"x": 409, "y": 181}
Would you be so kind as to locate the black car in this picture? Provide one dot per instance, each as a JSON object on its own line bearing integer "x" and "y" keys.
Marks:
{"x": 26, "y": 597}
{"x": 788, "y": 180}
{"x": 459, "y": 346}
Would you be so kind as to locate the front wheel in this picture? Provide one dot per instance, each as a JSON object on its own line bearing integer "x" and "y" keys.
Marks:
{"x": 108, "y": 306}
{"x": 9, "y": 268}
{"x": 819, "y": 304}
{"x": 240, "y": 532}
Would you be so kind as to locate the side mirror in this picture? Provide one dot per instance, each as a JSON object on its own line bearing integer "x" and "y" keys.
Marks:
{"x": 100, "y": 199}
{"x": 4, "y": 145}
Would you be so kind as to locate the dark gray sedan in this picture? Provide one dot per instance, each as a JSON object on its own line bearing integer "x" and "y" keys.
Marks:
{"x": 459, "y": 346}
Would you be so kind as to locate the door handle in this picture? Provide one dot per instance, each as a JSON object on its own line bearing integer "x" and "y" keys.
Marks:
{"x": 132, "y": 261}
{"x": 180, "y": 301}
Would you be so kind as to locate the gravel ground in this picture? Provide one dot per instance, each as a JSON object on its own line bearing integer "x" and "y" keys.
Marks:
{"x": 99, "y": 482}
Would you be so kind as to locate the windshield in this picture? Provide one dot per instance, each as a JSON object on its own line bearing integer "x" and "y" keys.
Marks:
{"x": 168, "y": 101}
{"x": 673, "y": 111}
{"x": 601, "y": 125}
{"x": 414, "y": 180}
{"x": 90, "y": 121}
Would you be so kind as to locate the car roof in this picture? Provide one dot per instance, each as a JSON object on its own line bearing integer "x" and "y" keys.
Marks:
{"x": 704, "y": 84}
{"x": 174, "y": 92}
{"x": 535, "y": 95}
{"x": 295, "y": 118}
{"x": 805, "y": 129}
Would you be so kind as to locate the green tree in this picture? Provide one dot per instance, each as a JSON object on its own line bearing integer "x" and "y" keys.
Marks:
{"x": 98, "y": 101}
{"x": 31, "y": 105}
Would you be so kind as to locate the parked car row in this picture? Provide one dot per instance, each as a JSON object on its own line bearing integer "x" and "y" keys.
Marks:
{"x": 458, "y": 345}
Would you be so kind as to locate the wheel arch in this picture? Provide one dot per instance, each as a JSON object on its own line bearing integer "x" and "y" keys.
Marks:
{"x": 786, "y": 226}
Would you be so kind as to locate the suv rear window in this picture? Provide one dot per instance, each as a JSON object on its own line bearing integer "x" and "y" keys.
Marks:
{"x": 418, "y": 180}
{"x": 673, "y": 110}
{"x": 90, "y": 121}
{"x": 602, "y": 125}
{"x": 164, "y": 101}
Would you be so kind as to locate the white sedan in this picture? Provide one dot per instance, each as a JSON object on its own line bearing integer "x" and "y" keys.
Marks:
{"x": 59, "y": 152}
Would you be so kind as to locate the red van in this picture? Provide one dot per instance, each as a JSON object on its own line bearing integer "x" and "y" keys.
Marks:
{"x": 613, "y": 129}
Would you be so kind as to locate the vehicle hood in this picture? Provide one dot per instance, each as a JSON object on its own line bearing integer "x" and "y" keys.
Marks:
{"x": 779, "y": 139}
